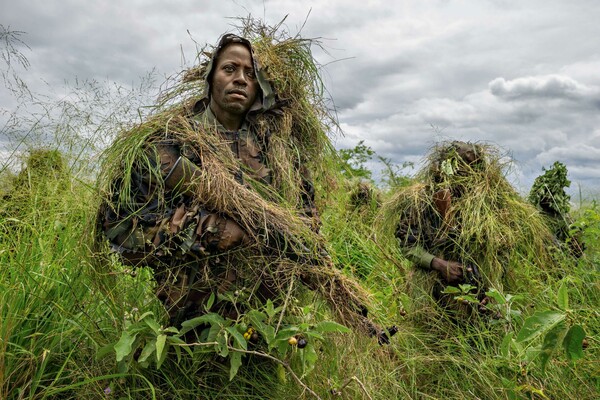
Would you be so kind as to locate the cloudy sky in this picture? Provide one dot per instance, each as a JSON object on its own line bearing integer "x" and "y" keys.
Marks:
{"x": 523, "y": 74}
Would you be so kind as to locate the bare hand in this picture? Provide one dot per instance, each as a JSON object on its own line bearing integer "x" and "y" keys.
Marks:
{"x": 450, "y": 271}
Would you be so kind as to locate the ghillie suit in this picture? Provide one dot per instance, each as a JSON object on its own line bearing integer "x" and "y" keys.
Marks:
{"x": 463, "y": 209}
{"x": 363, "y": 195}
{"x": 216, "y": 212}
{"x": 549, "y": 196}
{"x": 40, "y": 167}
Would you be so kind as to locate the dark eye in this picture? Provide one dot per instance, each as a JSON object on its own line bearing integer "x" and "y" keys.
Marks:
{"x": 250, "y": 74}
{"x": 228, "y": 68}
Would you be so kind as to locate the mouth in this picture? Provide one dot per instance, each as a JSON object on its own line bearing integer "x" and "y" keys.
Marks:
{"x": 238, "y": 93}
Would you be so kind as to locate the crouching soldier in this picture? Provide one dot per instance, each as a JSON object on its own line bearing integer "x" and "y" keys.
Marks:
{"x": 462, "y": 222}
{"x": 214, "y": 194}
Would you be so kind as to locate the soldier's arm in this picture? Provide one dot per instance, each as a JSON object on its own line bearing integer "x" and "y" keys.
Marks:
{"x": 180, "y": 174}
{"x": 409, "y": 239}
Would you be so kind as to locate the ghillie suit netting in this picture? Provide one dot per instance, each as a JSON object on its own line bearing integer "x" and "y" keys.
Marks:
{"x": 462, "y": 208}
{"x": 284, "y": 253}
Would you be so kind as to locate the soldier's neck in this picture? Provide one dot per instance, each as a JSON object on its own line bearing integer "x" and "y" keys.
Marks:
{"x": 231, "y": 122}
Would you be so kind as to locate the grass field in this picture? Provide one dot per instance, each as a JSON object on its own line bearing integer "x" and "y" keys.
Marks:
{"x": 65, "y": 304}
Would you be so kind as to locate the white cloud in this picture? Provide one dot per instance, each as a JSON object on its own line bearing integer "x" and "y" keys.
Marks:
{"x": 549, "y": 86}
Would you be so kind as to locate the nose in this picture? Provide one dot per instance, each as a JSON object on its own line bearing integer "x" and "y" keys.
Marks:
{"x": 240, "y": 77}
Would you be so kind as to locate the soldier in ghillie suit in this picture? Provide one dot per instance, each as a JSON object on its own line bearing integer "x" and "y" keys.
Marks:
{"x": 213, "y": 192}
{"x": 549, "y": 196}
{"x": 462, "y": 222}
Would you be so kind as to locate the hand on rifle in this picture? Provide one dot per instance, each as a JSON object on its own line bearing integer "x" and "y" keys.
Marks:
{"x": 449, "y": 271}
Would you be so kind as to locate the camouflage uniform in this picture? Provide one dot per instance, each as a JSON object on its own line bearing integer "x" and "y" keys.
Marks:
{"x": 162, "y": 226}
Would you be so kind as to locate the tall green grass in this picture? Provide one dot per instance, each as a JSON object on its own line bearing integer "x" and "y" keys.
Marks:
{"x": 62, "y": 300}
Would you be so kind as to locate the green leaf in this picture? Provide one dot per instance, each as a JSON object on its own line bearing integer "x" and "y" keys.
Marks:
{"x": 122, "y": 367}
{"x": 270, "y": 309}
{"x": 213, "y": 332}
{"x": 573, "y": 343}
{"x": 451, "y": 290}
{"x": 471, "y": 298}
{"x": 210, "y": 302}
{"x": 281, "y": 374}
{"x": 282, "y": 346}
{"x": 160, "y": 347}
{"x": 239, "y": 338}
{"x": 171, "y": 329}
{"x": 532, "y": 352}
{"x": 515, "y": 313}
{"x": 446, "y": 167}
{"x": 152, "y": 324}
{"x": 137, "y": 328}
{"x": 211, "y": 318}
{"x": 509, "y": 386}
{"x": 104, "y": 351}
{"x": 538, "y": 324}
{"x": 222, "y": 348}
{"x": 505, "y": 346}
{"x": 496, "y": 295}
{"x": 466, "y": 288}
{"x": 330, "y": 326}
{"x": 304, "y": 326}
{"x": 314, "y": 334}
{"x": 551, "y": 342}
{"x": 123, "y": 346}
{"x": 287, "y": 332}
{"x": 563, "y": 296}
{"x": 147, "y": 351}
{"x": 309, "y": 358}
{"x": 178, "y": 353}
{"x": 235, "y": 361}
{"x": 256, "y": 316}
{"x": 145, "y": 315}
{"x": 257, "y": 319}
{"x": 268, "y": 333}
{"x": 162, "y": 358}
{"x": 175, "y": 341}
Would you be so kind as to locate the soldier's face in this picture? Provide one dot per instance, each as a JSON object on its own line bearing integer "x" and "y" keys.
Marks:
{"x": 234, "y": 87}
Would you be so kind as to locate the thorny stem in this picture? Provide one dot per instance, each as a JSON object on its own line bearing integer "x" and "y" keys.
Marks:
{"x": 265, "y": 355}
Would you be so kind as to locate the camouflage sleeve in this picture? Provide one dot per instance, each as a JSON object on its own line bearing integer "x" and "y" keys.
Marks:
{"x": 214, "y": 231}
{"x": 152, "y": 220}
{"x": 420, "y": 257}
{"x": 411, "y": 237}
